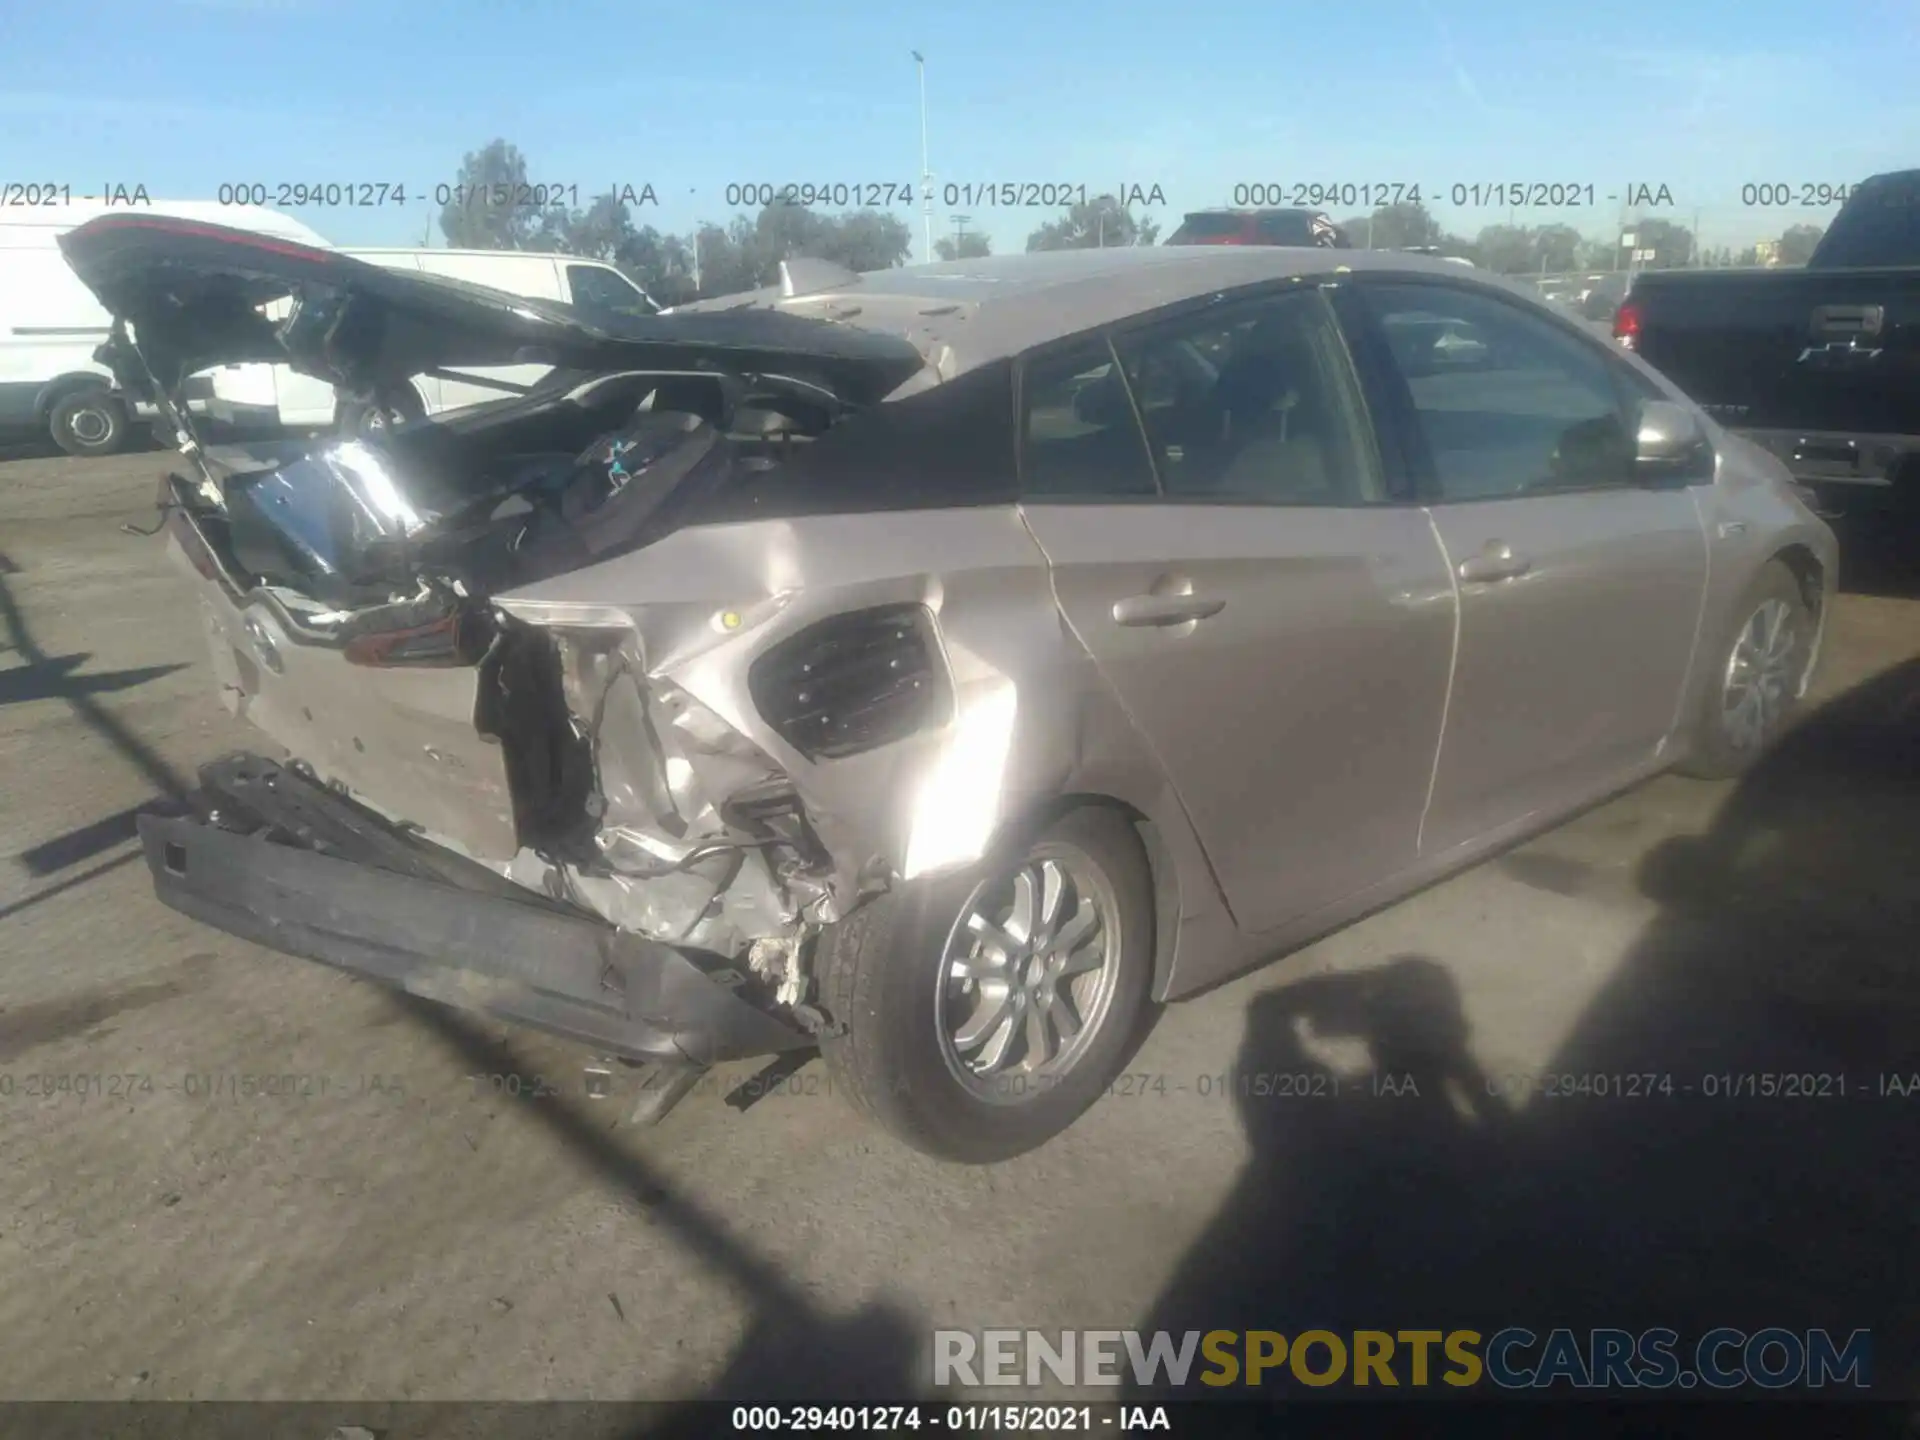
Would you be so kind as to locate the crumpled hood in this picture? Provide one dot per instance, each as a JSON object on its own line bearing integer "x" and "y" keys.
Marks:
{"x": 194, "y": 294}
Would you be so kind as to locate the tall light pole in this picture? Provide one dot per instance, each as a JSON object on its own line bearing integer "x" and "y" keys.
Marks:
{"x": 926, "y": 169}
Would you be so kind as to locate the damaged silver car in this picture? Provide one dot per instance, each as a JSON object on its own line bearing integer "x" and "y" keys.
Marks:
{"x": 940, "y": 667}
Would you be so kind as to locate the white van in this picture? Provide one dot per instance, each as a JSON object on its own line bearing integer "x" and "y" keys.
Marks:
{"x": 50, "y": 324}
{"x": 274, "y": 395}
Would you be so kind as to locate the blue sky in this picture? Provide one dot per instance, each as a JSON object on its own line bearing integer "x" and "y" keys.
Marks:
{"x": 1702, "y": 96}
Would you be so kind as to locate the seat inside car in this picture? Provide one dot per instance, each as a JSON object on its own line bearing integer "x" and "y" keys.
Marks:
{"x": 1271, "y": 404}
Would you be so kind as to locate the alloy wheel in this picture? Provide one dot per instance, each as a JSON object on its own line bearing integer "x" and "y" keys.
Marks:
{"x": 1028, "y": 975}
{"x": 1759, "y": 682}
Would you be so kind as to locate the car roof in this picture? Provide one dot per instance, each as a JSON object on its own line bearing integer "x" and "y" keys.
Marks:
{"x": 966, "y": 313}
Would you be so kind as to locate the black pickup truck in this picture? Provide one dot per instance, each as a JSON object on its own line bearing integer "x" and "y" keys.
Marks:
{"x": 1821, "y": 364}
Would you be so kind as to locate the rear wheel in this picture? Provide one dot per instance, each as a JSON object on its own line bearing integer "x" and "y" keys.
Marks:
{"x": 89, "y": 422}
{"x": 1752, "y": 691}
{"x": 984, "y": 1011}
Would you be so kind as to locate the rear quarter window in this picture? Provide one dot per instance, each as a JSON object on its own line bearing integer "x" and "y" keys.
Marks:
{"x": 949, "y": 447}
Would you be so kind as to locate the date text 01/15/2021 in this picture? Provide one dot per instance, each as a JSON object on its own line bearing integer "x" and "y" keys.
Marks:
{"x": 129, "y": 1086}
{"x": 960, "y": 1419}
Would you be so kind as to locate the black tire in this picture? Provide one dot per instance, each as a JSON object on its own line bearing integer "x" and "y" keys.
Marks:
{"x": 364, "y": 418}
{"x": 89, "y": 422}
{"x": 1716, "y": 751}
{"x": 881, "y": 979}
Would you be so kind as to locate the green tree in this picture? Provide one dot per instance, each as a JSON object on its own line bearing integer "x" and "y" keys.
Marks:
{"x": 600, "y": 231}
{"x": 486, "y": 209}
{"x": 1505, "y": 250}
{"x": 1402, "y": 226}
{"x": 1091, "y": 224}
{"x": 967, "y": 245}
{"x": 1556, "y": 249}
{"x": 661, "y": 265}
{"x": 1599, "y": 254}
{"x": 863, "y": 240}
{"x": 728, "y": 256}
{"x": 746, "y": 253}
{"x": 1797, "y": 242}
{"x": 1672, "y": 244}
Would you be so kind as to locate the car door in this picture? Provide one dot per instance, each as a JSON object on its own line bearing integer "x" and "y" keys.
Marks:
{"x": 1224, "y": 541}
{"x": 1579, "y": 587}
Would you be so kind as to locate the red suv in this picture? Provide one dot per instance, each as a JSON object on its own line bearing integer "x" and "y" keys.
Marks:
{"x": 1306, "y": 228}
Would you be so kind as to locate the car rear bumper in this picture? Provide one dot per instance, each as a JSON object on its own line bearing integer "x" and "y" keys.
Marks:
{"x": 337, "y": 885}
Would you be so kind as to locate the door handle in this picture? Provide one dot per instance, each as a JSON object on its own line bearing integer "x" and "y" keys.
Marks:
{"x": 1496, "y": 561}
{"x": 1165, "y": 609}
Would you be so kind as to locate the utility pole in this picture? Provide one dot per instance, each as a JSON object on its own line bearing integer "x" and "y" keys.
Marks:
{"x": 696, "y": 261}
{"x": 926, "y": 169}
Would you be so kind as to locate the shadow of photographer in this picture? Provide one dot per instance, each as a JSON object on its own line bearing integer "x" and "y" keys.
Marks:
{"x": 1745, "y": 1152}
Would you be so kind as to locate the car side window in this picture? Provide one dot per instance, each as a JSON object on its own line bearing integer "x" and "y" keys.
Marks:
{"x": 1507, "y": 404}
{"x": 607, "y": 291}
{"x": 1080, "y": 439}
{"x": 1256, "y": 404}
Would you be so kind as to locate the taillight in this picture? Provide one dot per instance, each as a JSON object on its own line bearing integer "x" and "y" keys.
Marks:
{"x": 1626, "y": 324}
{"x": 853, "y": 683}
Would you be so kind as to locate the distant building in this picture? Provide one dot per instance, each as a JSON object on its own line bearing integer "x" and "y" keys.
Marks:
{"x": 1767, "y": 252}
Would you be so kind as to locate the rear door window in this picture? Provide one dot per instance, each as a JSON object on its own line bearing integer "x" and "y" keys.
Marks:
{"x": 1256, "y": 406}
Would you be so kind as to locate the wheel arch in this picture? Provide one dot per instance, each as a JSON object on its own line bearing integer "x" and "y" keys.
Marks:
{"x": 1809, "y": 570}
{"x": 61, "y": 386}
{"x": 1811, "y": 574}
{"x": 1183, "y": 888}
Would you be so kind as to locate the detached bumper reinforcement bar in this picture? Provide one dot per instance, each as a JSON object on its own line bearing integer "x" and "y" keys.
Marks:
{"x": 528, "y": 963}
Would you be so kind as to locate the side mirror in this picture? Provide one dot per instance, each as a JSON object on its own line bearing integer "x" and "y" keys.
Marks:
{"x": 1671, "y": 444}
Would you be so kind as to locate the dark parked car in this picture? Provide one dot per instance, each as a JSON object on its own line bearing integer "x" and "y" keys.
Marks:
{"x": 1313, "y": 228}
{"x": 1820, "y": 365}
{"x": 938, "y": 666}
